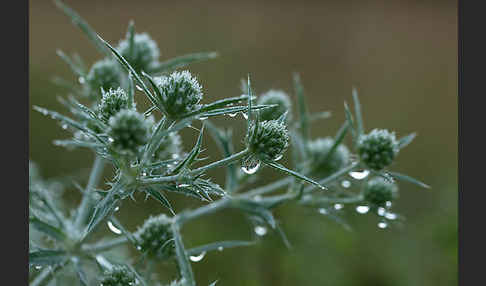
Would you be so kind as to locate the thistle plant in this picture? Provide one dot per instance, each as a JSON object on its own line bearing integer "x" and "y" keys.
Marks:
{"x": 144, "y": 149}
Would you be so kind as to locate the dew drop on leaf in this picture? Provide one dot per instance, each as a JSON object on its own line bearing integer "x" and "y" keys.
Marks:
{"x": 81, "y": 80}
{"x": 113, "y": 228}
{"x": 359, "y": 175}
{"x": 381, "y": 211}
{"x": 260, "y": 230}
{"x": 382, "y": 225}
{"x": 338, "y": 206}
{"x": 245, "y": 115}
{"x": 250, "y": 166}
{"x": 197, "y": 258}
{"x": 322, "y": 211}
{"x": 232, "y": 114}
{"x": 346, "y": 184}
{"x": 220, "y": 248}
{"x": 139, "y": 88}
{"x": 391, "y": 216}
{"x": 362, "y": 209}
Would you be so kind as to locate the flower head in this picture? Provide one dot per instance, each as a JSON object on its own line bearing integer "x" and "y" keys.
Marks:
{"x": 119, "y": 275}
{"x": 378, "y": 148}
{"x": 128, "y": 131}
{"x": 112, "y": 102}
{"x": 144, "y": 55}
{"x": 323, "y": 163}
{"x": 268, "y": 140}
{"x": 180, "y": 93}
{"x": 378, "y": 191}
{"x": 103, "y": 75}
{"x": 278, "y": 97}
{"x": 155, "y": 236}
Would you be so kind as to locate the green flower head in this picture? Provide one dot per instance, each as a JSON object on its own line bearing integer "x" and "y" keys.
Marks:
{"x": 112, "y": 102}
{"x": 378, "y": 148}
{"x": 325, "y": 164}
{"x": 180, "y": 93}
{"x": 143, "y": 56}
{"x": 278, "y": 97}
{"x": 119, "y": 275}
{"x": 378, "y": 191}
{"x": 129, "y": 130}
{"x": 103, "y": 75}
{"x": 268, "y": 140}
{"x": 155, "y": 236}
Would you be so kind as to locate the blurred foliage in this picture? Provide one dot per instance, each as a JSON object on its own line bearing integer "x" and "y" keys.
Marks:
{"x": 402, "y": 55}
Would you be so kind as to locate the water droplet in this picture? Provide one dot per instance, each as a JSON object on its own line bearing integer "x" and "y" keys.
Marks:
{"x": 278, "y": 157}
{"x": 381, "y": 211}
{"x": 382, "y": 225}
{"x": 139, "y": 247}
{"x": 232, "y": 114}
{"x": 38, "y": 267}
{"x": 117, "y": 209}
{"x": 251, "y": 166}
{"x": 245, "y": 115}
{"x": 64, "y": 126}
{"x": 144, "y": 174}
{"x": 113, "y": 228}
{"x": 81, "y": 80}
{"x": 197, "y": 258}
{"x": 362, "y": 209}
{"x": 388, "y": 204}
{"x": 257, "y": 198}
{"x": 138, "y": 87}
{"x": 175, "y": 156}
{"x": 260, "y": 230}
{"x": 338, "y": 206}
{"x": 182, "y": 185}
{"x": 220, "y": 248}
{"x": 359, "y": 175}
{"x": 391, "y": 216}
{"x": 322, "y": 211}
{"x": 111, "y": 140}
{"x": 203, "y": 118}
{"x": 346, "y": 184}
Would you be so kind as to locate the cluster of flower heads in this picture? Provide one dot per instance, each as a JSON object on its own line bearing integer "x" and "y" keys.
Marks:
{"x": 325, "y": 163}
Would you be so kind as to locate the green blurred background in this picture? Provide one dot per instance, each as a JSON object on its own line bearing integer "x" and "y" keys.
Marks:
{"x": 401, "y": 54}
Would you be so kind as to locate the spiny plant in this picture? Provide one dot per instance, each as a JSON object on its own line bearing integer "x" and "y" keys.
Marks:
{"x": 147, "y": 157}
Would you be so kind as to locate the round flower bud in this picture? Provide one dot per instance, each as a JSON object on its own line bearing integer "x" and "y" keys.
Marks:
{"x": 321, "y": 163}
{"x": 170, "y": 147}
{"x": 154, "y": 237}
{"x": 269, "y": 141}
{"x": 181, "y": 93}
{"x": 112, "y": 102}
{"x": 119, "y": 275}
{"x": 128, "y": 131}
{"x": 378, "y": 191}
{"x": 104, "y": 74}
{"x": 280, "y": 98}
{"x": 144, "y": 55}
{"x": 378, "y": 148}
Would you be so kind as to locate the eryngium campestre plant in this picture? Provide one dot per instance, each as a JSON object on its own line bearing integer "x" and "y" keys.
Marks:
{"x": 146, "y": 156}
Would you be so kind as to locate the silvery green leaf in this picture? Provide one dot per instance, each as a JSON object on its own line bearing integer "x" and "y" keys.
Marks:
{"x": 302, "y": 107}
{"x": 409, "y": 179}
{"x": 182, "y": 257}
{"x": 102, "y": 210}
{"x": 189, "y": 159}
{"x": 349, "y": 118}
{"x": 218, "y": 104}
{"x": 357, "y": 111}
{"x": 80, "y": 271}
{"x": 183, "y": 61}
{"x": 319, "y": 115}
{"x": 404, "y": 141}
{"x": 220, "y": 245}
{"x": 48, "y": 229}
{"x": 47, "y": 257}
{"x": 338, "y": 139}
{"x": 84, "y": 26}
{"x": 293, "y": 173}
{"x": 249, "y": 111}
{"x": 78, "y": 71}
{"x": 252, "y": 207}
{"x": 214, "y": 283}
{"x": 161, "y": 198}
{"x": 232, "y": 110}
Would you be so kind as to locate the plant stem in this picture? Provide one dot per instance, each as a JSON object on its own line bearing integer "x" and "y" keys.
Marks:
{"x": 333, "y": 177}
{"x": 204, "y": 210}
{"x": 100, "y": 247}
{"x": 182, "y": 259}
{"x": 94, "y": 178}
{"x": 270, "y": 187}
